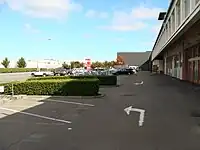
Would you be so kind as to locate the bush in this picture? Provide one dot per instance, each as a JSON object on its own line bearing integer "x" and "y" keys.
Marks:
{"x": 15, "y": 70}
{"x": 83, "y": 87}
{"x": 104, "y": 80}
{"x": 107, "y": 80}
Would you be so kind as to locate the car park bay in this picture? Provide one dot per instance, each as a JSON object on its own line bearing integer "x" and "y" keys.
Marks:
{"x": 103, "y": 123}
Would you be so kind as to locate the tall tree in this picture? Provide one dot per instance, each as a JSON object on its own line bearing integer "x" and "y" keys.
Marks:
{"x": 21, "y": 63}
{"x": 97, "y": 64}
{"x": 5, "y": 62}
{"x": 65, "y": 65}
{"x": 76, "y": 64}
{"x": 112, "y": 63}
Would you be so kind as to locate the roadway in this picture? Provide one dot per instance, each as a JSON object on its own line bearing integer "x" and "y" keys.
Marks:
{"x": 9, "y": 77}
{"x": 102, "y": 124}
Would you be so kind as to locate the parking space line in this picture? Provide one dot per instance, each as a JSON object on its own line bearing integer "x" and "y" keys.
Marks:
{"x": 36, "y": 115}
{"x": 67, "y": 102}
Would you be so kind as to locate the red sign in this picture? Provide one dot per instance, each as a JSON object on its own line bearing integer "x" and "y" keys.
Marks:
{"x": 88, "y": 63}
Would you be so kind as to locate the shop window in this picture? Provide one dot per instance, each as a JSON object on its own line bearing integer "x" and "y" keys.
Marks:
{"x": 178, "y": 12}
{"x": 187, "y": 7}
{"x": 173, "y": 22}
{"x": 170, "y": 29}
{"x": 196, "y": 2}
{"x": 176, "y": 61}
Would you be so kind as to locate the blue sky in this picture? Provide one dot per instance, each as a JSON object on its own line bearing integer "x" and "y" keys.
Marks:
{"x": 77, "y": 29}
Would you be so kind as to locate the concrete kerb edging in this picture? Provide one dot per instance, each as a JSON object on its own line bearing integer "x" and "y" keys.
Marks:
{"x": 8, "y": 98}
{"x": 70, "y": 97}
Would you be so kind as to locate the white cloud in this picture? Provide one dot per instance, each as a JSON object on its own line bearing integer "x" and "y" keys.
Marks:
{"x": 2, "y": 2}
{"x": 135, "y": 19}
{"x": 156, "y": 28}
{"x": 44, "y": 8}
{"x": 96, "y": 14}
{"x": 103, "y": 15}
{"x": 90, "y": 13}
{"x": 145, "y": 13}
{"x": 28, "y": 27}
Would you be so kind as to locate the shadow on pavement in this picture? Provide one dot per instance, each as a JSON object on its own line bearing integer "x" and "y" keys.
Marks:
{"x": 41, "y": 126}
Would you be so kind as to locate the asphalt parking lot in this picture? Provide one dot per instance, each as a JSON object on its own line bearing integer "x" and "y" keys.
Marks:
{"x": 102, "y": 124}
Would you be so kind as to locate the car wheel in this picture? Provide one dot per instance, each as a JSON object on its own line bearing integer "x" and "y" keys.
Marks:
{"x": 44, "y": 75}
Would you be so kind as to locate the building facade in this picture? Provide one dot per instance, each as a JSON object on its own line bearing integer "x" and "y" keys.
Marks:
{"x": 134, "y": 58}
{"x": 177, "y": 49}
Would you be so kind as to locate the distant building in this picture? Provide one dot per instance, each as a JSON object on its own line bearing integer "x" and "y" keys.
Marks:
{"x": 136, "y": 58}
{"x": 45, "y": 63}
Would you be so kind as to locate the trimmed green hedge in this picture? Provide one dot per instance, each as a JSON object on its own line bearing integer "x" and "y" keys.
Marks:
{"x": 73, "y": 87}
{"x": 104, "y": 80}
{"x": 15, "y": 70}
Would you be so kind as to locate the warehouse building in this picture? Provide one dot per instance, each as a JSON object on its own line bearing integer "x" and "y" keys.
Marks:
{"x": 176, "y": 51}
{"x": 140, "y": 59}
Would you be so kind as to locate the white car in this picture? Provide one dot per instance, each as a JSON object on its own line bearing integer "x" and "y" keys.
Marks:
{"x": 42, "y": 73}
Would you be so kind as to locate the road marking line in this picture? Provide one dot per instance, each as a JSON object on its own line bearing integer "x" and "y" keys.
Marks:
{"x": 140, "y": 83}
{"x": 36, "y": 115}
{"x": 141, "y": 111}
{"x": 67, "y": 102}
{"x": 36, "y": 123}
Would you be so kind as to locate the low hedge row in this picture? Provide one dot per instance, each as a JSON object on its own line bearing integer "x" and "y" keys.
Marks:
{"x": 15, "y": 70}
{"x": 104, "y": 80}
{"x": 72, "y": 87}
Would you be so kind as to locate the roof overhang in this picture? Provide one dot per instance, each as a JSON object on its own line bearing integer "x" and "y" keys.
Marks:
{"x": 161, "y": 16}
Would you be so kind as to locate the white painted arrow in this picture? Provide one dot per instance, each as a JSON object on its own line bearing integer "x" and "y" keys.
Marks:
{"x": 139, "y": 83}
{"x": 141, "y": 111}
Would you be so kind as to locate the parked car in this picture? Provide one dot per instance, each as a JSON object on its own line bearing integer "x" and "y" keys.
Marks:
{"x": 124, "y": 71}
{"x": 61, "y": 72}
{"x": 42, "y": 73}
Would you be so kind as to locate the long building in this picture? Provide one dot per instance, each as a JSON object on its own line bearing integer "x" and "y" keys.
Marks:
{"x": 135, "y": 58}
{"x": 176, "y": 51}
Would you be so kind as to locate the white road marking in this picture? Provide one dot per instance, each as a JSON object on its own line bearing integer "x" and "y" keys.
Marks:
{"x": 36, "y": 115}
{"x": 69, "y": 128}
{"x": 140, "y": 83}
{"x": 67, "y": 102}
{"x": 141, "y": 111}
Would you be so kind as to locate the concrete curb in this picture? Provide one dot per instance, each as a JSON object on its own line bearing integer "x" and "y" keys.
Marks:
{"x": 108, "y": 86}
{"x": 70, "y": 97}
{"x": 7, "y": 98}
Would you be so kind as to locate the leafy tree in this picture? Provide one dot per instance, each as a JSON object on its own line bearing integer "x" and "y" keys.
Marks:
{"x": 120, "y": 61}
{"x": 112, "y": 63}
{"x": 65, "y": 65}
{"x": 5, "y": 62}
{"x": 21, "y": 63}
{"x": 97, "y": 64}
{"x": 76, "y": 64}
